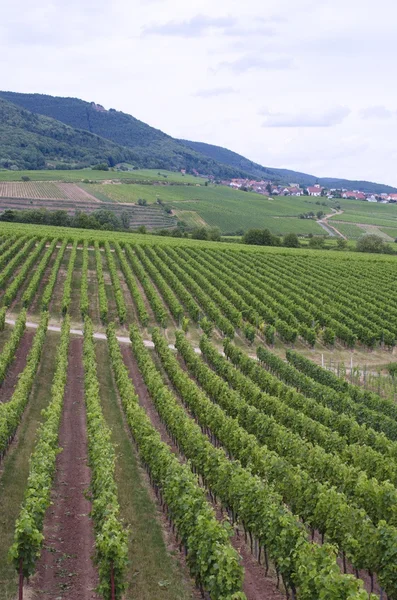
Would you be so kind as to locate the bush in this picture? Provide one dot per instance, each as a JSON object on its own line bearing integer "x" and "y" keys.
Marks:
{"x": 260, "y": 237}
{"x": 316, "y": 243}
{"x": 291, "y": 240}
{"x": 371, "y": 243}
{"x": 341, "y": 244}
{"x": 25, "y": 178}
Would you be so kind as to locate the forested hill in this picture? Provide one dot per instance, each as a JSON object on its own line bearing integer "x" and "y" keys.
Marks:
{"x": 148, "y": 147}
{"x": 151, "y": 147}
{"x": 31, "y": 141}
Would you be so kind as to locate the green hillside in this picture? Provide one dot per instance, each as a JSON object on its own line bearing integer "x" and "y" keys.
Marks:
{"x": 31, "y": 141}
{"x": 152, "y": 148}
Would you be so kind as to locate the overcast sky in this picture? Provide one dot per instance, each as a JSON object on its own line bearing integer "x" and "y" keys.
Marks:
{"x": 303, "y": 84}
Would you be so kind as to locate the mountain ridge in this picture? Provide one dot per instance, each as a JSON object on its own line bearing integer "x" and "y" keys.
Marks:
{"x": 152, "y": 148}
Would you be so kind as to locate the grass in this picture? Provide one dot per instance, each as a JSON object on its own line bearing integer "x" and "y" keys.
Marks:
{"x": 80, "y": 174}
{"x": 16, "y": 464}
{"x": 350, "y": 230}
{"x": 390, "y": 231}
{"x": 154, "y": 571}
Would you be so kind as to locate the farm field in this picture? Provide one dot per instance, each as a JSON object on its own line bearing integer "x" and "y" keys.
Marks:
{"x": 80, "y": 174}
{"x": 356, "y": 211}
{"x": 203, "y": 449}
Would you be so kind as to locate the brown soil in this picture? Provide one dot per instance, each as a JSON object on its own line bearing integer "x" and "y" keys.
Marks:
{"x": 256, "y": 586}
{"x": 15, "y": 369}
{"x": 65, "y": 569}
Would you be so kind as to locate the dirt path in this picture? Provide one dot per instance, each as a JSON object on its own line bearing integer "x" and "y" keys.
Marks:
{"x": 256, "y": 586}
{"x": 15, "y": 369}
{"x": 325, "y": 224}
{"x": 65, "y": 569}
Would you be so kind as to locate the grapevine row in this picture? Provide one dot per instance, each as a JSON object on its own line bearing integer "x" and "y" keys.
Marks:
{"x": 143, "y": 315}
{"x": 48, "y": 291}
{"x": 38, "y": 274}
{"x": 28, "y": 538}
{"x": 244, "y": 491}
{"x": 111, "y": 551}
{"x": 213, "y": 562}
{"x": 11, "y": 411}
{"x": 103, "y": 301}
{"x": 8, "y": 353}
{"x": 67, "y": 288}
{"x": 152, "y": 295}
{"x": 118, "y": 292}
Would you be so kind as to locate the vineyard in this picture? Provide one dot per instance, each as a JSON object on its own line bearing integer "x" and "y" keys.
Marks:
{"x": 165, "y": 433}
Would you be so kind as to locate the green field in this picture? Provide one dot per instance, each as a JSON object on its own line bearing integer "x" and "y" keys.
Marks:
{"x": 351, "y": 231}
{"x": 392, "y": 232}
{"x": 369, "y": 213}
{"x": 79, "y": 175}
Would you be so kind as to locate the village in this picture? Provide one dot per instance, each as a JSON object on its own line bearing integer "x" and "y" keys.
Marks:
{"x": 268, "y": 188}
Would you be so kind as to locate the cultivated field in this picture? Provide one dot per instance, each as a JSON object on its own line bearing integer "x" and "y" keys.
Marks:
{"x": 92, "y": 174}
{"x": 188, "y": 466}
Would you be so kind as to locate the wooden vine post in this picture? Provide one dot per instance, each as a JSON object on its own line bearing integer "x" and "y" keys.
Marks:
{"x": 20, "y": 595}
{"x": 112, "y": 586}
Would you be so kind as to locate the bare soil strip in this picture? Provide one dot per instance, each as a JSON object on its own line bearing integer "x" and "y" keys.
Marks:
{"x": 256, "y": 585}
{"x": 65, "y": 569}
{"x": 16, "y": 367}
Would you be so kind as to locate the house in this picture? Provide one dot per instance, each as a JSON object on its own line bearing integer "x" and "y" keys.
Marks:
{"x": 354, "y": 195}
{"x": 314, "y": 190}
{"x": 295, "y": 191}
{"x": 393, "y": 197}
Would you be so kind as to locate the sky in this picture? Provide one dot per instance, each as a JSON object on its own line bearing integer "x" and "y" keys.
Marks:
{"x": 307, "y": 85}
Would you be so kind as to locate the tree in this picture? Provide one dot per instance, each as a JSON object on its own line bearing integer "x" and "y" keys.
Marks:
{"x": 125, "y": 219}
{"x": 214, "y": 234}
{"x": 260, "y": 237}
{"x": 141, "y": 229}
{"x": 269, "y": 188}
{"x": 142, "y": 202}
{"x": 319, "y": 214}
{"x": 200, "y": 233}
{"x": 25, "y": 178}
{"x": 371, "y": 243}
{"x": 341, "y": 244}
{"x": 291, "y": 240}
{"x": 316, "y": 243}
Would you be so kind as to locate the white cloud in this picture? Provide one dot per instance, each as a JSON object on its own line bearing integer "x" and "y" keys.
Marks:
{"x": 376, "y": 112}
{"x": 306, "y": 60}
{"x": 211, "y": 92}
{"x": 328, "y": 118}
{"x": 253, "y": 62}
